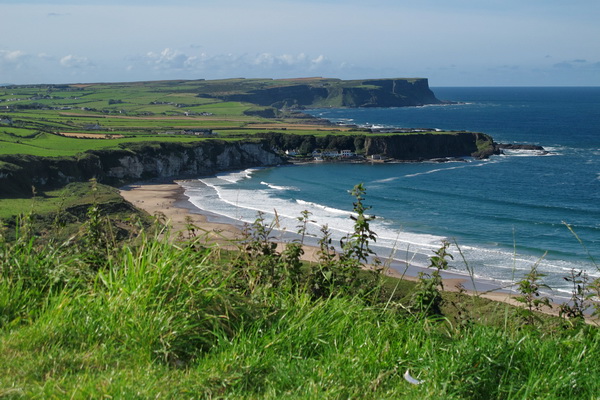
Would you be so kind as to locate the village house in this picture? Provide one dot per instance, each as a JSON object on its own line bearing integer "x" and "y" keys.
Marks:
{"x": 330, "y": 153}
{"x": 93, "y": 127}
{"x": 199, "y": 132}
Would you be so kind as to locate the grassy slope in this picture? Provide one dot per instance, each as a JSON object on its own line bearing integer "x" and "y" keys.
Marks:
{"x": 153, "y": 319}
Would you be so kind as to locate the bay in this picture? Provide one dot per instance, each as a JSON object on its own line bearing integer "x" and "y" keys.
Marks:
{"x": 505, "y": 214}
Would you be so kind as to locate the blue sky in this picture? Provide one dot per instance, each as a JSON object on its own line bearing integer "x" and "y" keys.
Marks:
{"x": 451, "y": 42}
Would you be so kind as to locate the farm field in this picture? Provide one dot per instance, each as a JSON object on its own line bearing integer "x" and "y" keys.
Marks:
{"x": 63, "y": 120}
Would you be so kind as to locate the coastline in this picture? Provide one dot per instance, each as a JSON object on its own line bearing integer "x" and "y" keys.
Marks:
{"x": 169, "y": 199}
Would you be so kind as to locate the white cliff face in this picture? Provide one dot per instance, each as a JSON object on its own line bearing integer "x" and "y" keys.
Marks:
{"x": 131, "y": 166}
{"x": 181, "y": 161}
{"x": 256, "y": 151}
{"x": 164, "y": 160}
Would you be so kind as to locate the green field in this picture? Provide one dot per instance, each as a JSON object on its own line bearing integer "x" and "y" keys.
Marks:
{"x": 156, "y": 111}
{"x": 31, "y": 117}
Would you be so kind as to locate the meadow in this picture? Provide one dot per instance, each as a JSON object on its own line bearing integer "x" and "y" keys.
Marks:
{"x": 168, "y": 314}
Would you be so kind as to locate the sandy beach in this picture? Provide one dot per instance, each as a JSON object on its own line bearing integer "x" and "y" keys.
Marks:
{"x": 165, "y": 199}
{"x": 169, "y": 200}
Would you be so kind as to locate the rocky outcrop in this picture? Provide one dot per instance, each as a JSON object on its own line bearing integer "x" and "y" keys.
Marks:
{"x": 416, "y": 147}
{"x": 513, "y": 146}
{"x": 136, "y": 162}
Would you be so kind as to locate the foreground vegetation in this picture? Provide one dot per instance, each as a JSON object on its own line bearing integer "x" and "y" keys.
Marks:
{"x": 166, "y": 315}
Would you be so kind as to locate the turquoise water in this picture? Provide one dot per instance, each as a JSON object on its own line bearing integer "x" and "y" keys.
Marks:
{"x": 505, "y": 213}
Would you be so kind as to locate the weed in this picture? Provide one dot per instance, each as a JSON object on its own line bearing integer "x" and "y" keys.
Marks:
{"x": 97, "y": 237}
{"x": 594, "y": 296}
{"x": 530, "y": 296}
{"x": 322, "y": 277}
{"x": 427, "y": 298}
{"x": 575, "y": 309}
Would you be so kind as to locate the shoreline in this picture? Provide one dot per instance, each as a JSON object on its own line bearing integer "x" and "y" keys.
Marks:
{"x": 169, "y": 199}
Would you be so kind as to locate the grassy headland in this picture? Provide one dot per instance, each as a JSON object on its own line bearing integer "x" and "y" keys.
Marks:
{"x": 52, "y": 120}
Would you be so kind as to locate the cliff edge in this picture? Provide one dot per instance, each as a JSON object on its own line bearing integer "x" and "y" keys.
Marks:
{"x": 319, "y": 92}
{"x": 144, "y": 161}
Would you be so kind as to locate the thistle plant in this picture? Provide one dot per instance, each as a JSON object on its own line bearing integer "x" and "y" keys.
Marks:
{"x": 322, "y": 275}
{"x": 530, "y": 296}
{"x": 290, "y": 259}
{"x": 356, "y": 245}
{"x": 593, "y": 296}
{"x": 97, "y": 238}
{"x": 427, "y": 298}
{"x": 575, "y": 308}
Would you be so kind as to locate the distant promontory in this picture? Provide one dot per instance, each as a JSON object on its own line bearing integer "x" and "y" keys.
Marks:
{"x": 326, "y": 92}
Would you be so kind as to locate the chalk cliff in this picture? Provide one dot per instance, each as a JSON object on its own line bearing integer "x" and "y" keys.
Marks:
{"x": 136, "y": 162}
{"x": 145, "y": 161}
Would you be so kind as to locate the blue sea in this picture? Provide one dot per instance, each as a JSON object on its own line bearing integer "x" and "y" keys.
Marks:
{"x": 502, "y": 215}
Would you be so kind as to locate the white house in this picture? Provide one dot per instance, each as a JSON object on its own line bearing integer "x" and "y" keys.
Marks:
{"x": 331, "y": 153}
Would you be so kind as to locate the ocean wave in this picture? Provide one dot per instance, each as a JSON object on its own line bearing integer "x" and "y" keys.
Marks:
{"x": 528, "y": 153}
{"x": 387, "y": 180}
{"x": 560, "y": 150}
{"x": 243, "y": 205}
{"x": 325, "y": 208}
{"x": 282, "y": 188}
{"x": 433, "y": 171}
{"x": 493, "y": 263}
{"x": 234, "y": 177}
{"x": 509, "y": 265}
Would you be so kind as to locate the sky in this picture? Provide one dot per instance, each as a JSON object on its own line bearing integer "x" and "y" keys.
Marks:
{"x": 450, "y": 42}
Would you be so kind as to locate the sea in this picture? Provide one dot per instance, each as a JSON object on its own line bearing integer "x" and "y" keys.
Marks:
{"x": 503, "y": 216}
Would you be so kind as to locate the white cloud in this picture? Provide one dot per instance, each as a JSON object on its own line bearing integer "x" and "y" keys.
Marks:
{"x": 170, "y": 59}
{"x": 264, "y": 64}
{"x": 12, "y": 56}
{"x": 289, "y": 61}
{"x": 45, "y": 57}
{"x": 72, "y": 61}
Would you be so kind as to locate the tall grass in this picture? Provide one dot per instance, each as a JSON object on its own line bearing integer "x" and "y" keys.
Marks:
{"x": 161, "y": 318}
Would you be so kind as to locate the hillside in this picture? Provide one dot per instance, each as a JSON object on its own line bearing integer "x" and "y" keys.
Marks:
{"x": 145, "y": 316}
